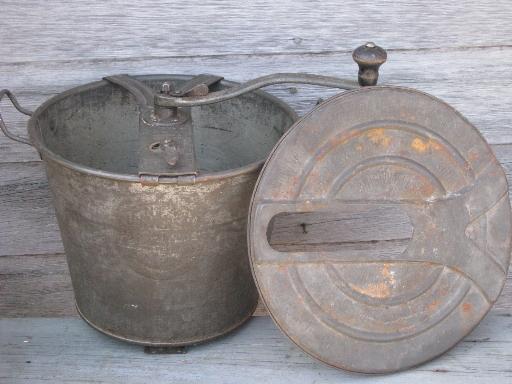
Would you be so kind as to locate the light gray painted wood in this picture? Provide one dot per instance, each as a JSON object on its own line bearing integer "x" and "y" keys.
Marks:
{"x": 472, "y": 80}
{"x": 68, "y": 351}
{"x": 35, "y": 286}
{"x": 28, "y": 224}
{"x": 57, "y": 30}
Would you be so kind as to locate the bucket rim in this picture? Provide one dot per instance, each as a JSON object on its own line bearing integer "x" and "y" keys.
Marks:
{"x": 47, "y": 154}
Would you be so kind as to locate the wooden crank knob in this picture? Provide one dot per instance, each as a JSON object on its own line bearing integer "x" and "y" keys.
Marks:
{"x": 369, "y": 57}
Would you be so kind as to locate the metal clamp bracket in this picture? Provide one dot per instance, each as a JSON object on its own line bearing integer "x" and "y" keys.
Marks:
{"x": 166, "y": 146}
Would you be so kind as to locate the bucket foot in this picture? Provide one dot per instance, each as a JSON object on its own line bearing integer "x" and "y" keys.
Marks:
{"x": 165, "y": 350}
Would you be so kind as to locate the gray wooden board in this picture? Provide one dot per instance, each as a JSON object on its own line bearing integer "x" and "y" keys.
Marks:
{"x": 68, "y": 351}
{"x": 28, "y": 224}
{"x": 472, "y": 80}
{"x": 35, "y": 286}
{"x": 57, "y": 30}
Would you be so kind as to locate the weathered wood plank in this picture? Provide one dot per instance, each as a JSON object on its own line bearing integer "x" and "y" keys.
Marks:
{"x": 68, "y": 351}
{"x": 53, "y": 30}
{"x": 466, "y": 79}
{"x": 28, "y": 224}
{"x": 366, "y": 227}
{"x": 35, "y": 286}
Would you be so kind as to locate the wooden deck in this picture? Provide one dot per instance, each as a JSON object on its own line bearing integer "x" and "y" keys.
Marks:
{"x": 460, "y": 52}
{"x": 36, "y": 350}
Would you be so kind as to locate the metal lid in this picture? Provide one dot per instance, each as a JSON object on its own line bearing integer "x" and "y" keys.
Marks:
{"x": 380, "y": 230}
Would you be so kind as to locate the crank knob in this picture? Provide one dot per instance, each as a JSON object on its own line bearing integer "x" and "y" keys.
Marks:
{"x": 369, "y": 57}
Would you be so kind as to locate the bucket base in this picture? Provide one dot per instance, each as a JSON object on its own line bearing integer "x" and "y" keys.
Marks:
{"x": 165, "y": 350}
{"x": 171, "y": 345}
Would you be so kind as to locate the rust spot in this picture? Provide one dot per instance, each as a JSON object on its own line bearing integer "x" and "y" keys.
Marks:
{"x": 435, "y": 145}
{"x": 388, "y": 275}
{"x": 467, "y": 307}
{"x": 422, "y": 146}
{"x": 427, "y": 189}
{"x": 378, "y": 137}
{"x": 385, "y": 271}
{"x": 377, "y": 290}
{"x": 382, "y": 289}
{"x": 432, "y": 307}
{"x": 421, "y": 189}
{"x": 359, "y": 147}
{"x": 473, "y": 155}
{"x": 419, "y": 145}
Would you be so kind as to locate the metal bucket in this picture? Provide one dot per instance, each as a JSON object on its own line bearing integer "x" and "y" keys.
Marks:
{"x": 156, "y": 260}
{"x": 151, "y": 178}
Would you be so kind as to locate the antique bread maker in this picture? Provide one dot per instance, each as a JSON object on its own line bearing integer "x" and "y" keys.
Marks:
{"x": 378, "y": 232}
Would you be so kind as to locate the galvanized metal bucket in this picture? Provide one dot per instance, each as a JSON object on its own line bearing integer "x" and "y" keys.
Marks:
{"x": 151, "y": 178}
{"x": 157, "y": 253}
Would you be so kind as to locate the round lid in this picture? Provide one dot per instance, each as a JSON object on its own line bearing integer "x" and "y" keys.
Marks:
{"x": 379, "y": 230}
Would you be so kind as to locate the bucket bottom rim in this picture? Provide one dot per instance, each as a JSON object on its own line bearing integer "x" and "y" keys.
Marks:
{"x": 168, "y": 344}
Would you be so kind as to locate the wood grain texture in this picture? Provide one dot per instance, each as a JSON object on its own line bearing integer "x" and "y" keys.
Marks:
{"x": 35, "y": 286}
{"x": 28, "y": 224}
{"x": 469, "y": 79}
{"x": 58, "y": 30}
{"x": 368, "y": 228}
{"x": 68, "y": 351}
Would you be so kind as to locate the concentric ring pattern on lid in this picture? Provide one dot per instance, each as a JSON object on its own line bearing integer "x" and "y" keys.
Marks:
{"x": 379, "y": 230}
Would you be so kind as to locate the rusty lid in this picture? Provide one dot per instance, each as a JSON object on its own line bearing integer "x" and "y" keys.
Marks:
{"x": 380, "y": 230}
